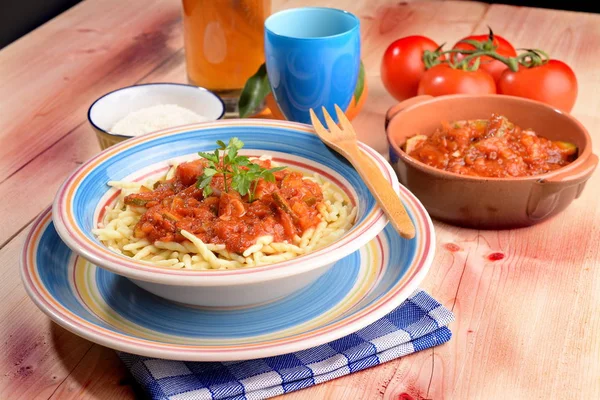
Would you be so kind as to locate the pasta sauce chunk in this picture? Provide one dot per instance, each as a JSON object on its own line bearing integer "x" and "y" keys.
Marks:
{"x": 281, "y": 209}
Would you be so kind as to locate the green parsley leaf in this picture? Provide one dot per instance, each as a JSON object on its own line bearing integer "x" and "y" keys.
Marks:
{"x": 268, "y": 176}
{"x": 242, "y": 161}
{"x": 236, "y": 143}
{"x": 209, "y": 157}
{"x": 239, "y": 173}
{"x": 253, "y": 168}
{"x": 204, "y": 182}
{"x": 243, "y": 184}
{"x": 231, "y": 154}
{"x": 209, "y": 172}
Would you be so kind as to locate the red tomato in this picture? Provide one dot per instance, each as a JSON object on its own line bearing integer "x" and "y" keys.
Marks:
{"x": 493, "y": 67}
{"x": 402, "y": 65}
{"x": 553, "y": 83}
{"x": 443, "y": 79}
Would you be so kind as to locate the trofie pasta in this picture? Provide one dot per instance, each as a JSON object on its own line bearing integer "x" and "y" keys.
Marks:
{"x": 261, "y": 214}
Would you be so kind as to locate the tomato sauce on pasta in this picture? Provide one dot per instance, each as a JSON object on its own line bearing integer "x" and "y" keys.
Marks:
{"x": 171, "y": 222}
{"x": 282, "y": 209}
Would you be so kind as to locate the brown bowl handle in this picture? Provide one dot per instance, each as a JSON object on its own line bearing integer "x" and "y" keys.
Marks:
{"x": 545, "y": 193}
{"x": 404, "y": 104}
{"x": 580, "y": 175}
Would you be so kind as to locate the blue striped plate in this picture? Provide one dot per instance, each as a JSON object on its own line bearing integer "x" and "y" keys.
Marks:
{"x": 110, "y": 310}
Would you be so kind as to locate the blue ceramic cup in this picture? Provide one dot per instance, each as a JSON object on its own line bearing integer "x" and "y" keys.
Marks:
{"x": 313, "y": 58}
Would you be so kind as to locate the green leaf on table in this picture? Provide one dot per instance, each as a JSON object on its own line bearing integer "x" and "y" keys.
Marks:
{"x": 360, "y": 83}
{"x": 255, "y": 90}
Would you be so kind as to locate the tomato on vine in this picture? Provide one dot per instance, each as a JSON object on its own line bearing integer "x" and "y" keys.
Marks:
{"x": 402, "y": 66}
{"x": 478, "y": 64}
{"x": 444, "y": 79}
{"x": 487, "y": 43}
{"x": 552, "y": 82}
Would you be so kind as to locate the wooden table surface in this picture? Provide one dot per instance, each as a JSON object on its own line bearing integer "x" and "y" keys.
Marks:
{"x": 528, "y": 326}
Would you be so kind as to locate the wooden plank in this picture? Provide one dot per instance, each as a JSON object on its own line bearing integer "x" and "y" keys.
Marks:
{"x": 64, "y": 156}
{"x": 99, "y": 375}
{"x": 51, "y": 76}
{"x": 37, "y": 354}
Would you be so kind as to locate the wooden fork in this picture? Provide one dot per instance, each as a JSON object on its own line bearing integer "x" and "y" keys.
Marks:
{"x": 343, "y": 141}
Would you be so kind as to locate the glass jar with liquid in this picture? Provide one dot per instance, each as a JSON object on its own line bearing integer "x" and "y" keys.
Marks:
{"x": 224, "y": 44}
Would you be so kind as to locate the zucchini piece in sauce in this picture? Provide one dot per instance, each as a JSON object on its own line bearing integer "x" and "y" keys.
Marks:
{"x": 136, "y": 201}
{"x": 411, "y": 143}
{"x": 569, "y": 148}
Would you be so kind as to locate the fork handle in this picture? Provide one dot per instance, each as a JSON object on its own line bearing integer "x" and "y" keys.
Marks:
{"x": 382, "y": 191}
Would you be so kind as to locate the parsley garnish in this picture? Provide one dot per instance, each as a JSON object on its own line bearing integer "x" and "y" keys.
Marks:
{"x": 238, "y": 172}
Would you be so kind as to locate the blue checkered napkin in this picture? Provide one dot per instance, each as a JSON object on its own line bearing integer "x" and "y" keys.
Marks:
{"x": 419, "y": 323}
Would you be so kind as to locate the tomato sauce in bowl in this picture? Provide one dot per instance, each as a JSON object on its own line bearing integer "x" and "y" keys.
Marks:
{"x": 492, "y": 147}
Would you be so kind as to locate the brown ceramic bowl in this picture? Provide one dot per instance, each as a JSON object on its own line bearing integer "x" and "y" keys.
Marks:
{"x": 488, "y": 203}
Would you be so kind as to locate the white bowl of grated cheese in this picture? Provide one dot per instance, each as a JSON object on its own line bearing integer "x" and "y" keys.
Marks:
{"x": 140, "y": 109}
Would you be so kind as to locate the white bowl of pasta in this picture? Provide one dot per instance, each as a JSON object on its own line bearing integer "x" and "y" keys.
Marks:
{"x": 219, "y": 214}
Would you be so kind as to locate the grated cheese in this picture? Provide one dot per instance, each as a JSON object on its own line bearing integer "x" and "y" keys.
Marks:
{"x": 154, "y": 118}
